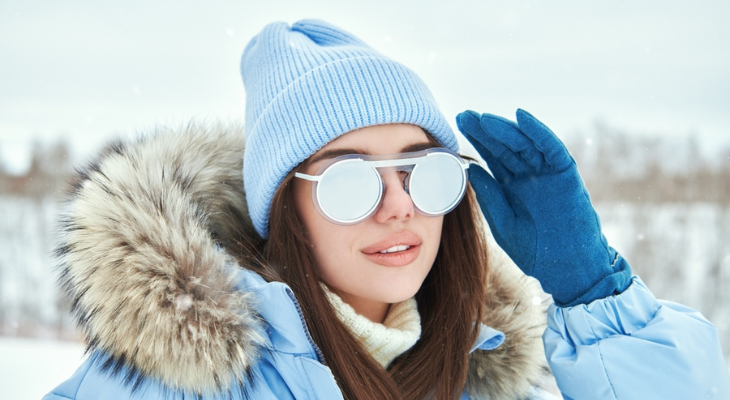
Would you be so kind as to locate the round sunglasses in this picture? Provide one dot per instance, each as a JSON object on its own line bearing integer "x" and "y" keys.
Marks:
{"x": 348, "y": 189}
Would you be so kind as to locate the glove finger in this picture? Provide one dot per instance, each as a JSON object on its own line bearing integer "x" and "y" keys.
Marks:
{"x": 468, "y": 124}
{"x": 492, "y": 199}
{"x": 555, "y": 153}
{"x": 510, "y": 135}
{"x": 497, "y": 168}
{"x": 502, "y": 159}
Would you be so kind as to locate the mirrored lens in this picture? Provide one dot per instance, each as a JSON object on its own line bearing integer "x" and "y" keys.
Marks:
{"x": 437, "y": 183}
{"x": 348, "y": 191}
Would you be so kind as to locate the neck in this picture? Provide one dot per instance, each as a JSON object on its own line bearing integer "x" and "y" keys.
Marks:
{"x": 375, "y": 311}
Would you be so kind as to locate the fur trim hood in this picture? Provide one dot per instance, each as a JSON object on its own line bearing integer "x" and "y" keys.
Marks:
{"x": 150, "y": 246}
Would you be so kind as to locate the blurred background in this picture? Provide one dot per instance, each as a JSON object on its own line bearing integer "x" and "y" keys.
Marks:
{"x": 639, "y": 91}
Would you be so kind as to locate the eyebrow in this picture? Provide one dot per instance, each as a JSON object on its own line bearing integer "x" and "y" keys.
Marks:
{"x": 329, "y": 154}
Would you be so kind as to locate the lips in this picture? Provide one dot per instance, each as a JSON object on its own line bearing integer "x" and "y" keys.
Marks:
{"x": 396, "y": 250}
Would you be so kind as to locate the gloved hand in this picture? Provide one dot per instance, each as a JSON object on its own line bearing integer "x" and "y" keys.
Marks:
{"x": 538, "y": 208}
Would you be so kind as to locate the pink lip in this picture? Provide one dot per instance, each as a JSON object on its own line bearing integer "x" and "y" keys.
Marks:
{"x": 397, "y": 259}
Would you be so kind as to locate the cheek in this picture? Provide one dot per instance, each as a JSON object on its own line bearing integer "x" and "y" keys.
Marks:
{"x": 330, "y": 241}
{"x": 434, "y": 229}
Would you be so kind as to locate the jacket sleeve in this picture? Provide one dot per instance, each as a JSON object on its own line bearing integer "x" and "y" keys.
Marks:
{"x": 632, "y": 346}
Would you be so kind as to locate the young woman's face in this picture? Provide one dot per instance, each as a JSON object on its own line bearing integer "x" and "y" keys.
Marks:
{"x": 385, "y": 258}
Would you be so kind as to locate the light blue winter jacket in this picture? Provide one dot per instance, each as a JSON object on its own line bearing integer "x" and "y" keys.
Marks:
{"x": 291, "y": 368}
{"x": 147, "y": 262}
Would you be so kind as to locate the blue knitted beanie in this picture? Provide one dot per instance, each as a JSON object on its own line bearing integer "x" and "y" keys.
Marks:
{"x": 310, "y": 83}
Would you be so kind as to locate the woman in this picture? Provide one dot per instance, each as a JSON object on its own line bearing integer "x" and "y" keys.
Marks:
{"x": 363, "y": 271}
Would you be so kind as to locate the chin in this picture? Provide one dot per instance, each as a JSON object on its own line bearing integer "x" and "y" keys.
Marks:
{"x": 397, "y": 290}
{"x": 399, "y": 294}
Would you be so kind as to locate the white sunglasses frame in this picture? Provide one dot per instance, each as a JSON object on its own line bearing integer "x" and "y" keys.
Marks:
{"x": 389, "y": 161}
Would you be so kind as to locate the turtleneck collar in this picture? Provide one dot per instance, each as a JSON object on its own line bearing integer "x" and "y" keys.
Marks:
{"x": 400, "y": 330}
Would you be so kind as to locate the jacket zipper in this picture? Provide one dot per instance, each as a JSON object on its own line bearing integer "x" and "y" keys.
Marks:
{"x": 320, "y": 356}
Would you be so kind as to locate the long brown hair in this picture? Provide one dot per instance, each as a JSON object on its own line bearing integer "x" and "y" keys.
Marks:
{"x": 450, "y": 301}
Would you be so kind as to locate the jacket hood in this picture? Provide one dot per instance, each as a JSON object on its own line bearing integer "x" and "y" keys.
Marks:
{"x": 149, "y": 251}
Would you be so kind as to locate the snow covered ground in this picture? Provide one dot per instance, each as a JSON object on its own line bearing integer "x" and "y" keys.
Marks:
{"x": 30, "y": 368}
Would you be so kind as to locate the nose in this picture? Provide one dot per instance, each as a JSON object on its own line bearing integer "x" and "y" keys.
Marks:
{"x": 396, "y": 203}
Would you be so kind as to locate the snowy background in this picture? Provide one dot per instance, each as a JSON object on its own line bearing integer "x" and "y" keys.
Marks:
{"x": 640, "y": 93}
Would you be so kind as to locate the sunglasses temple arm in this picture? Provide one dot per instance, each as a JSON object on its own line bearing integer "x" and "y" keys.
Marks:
{"x": 312, "y": 178}
{"x": 470, "y": 161}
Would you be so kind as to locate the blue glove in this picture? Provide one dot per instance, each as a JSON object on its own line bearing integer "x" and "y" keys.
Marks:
{"x": 539, "y": 210}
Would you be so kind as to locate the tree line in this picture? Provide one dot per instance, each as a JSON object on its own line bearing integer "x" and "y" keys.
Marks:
{"x": 620, "y": 166}
{"x": 616, "y": 165}
{"x": 49, "y": 170}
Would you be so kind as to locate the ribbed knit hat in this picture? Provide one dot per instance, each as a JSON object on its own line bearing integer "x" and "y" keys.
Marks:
{"x": 310, "y": 83}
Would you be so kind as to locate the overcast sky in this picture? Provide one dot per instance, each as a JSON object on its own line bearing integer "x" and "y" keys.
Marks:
{"x": 92, "y": 70}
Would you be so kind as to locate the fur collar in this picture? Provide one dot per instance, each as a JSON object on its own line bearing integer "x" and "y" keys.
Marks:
{"x": 147, "y": 258}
